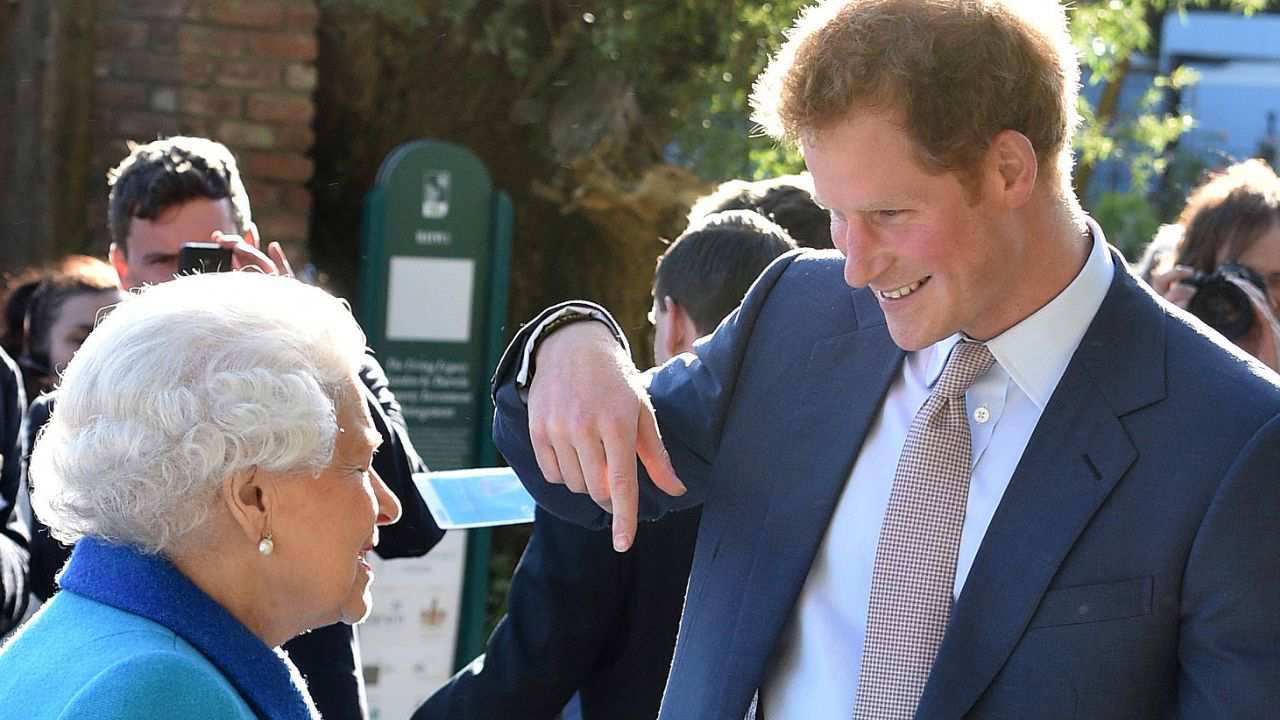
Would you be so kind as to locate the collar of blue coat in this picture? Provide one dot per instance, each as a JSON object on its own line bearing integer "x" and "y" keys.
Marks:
{"x": 151, "y": 587}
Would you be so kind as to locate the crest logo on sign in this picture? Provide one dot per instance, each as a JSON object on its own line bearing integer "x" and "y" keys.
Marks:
{"x": 435, "y": 194}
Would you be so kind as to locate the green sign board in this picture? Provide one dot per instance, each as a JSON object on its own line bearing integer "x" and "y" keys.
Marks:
{"x": 436, "y": 257}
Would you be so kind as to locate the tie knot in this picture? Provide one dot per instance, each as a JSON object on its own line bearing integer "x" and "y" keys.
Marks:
{"x": 968, "y": 361}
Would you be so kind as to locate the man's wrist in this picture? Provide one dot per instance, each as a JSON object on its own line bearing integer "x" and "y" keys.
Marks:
{"x": 556, "y": 323}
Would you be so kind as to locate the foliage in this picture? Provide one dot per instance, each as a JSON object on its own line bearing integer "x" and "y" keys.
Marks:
{"x": 1129, "y": 220}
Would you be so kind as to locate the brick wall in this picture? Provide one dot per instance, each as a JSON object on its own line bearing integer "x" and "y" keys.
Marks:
{"x": 239, "y": 71}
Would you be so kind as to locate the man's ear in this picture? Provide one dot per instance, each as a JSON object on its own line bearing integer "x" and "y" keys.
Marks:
{"x": 249, "y": 496}
{"x": 683, "y": 330}
{"x": 1012, "y": 167}
{"x": 120, "y": 263}
{"x": 251, "y": 235}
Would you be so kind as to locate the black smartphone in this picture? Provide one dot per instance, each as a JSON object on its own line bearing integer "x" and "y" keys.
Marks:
{"x": 197, "y": 257}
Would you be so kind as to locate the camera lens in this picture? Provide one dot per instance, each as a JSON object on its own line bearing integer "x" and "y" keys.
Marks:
{"x": 1223, "y": 304}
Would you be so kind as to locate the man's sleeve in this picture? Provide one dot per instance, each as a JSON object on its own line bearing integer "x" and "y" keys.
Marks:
{"x": 690, "y": 394}
{"x": 1229, "y": 649}
{"x": 563, "y": 605}
{"x": 395, "y": 462}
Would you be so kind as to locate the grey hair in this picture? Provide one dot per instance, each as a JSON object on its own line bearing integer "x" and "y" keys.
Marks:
{"x": 183, "y": 385}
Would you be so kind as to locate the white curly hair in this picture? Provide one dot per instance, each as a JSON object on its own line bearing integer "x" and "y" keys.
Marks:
{"x": 182, "y": 385}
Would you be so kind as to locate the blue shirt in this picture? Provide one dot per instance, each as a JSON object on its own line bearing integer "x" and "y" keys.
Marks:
{"x": 814, "y": 674}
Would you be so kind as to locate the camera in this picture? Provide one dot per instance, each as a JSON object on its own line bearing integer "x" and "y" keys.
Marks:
{"x": 1223, "y": 304}
{"x": 198, "y": 257}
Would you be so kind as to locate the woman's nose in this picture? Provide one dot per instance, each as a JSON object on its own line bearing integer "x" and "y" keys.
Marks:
{"x": 388, "y": 504}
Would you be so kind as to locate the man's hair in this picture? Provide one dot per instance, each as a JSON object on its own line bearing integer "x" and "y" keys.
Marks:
{"x": 710, "y": 267}
{"x": 166, "y": 173}
{"x": 183, "y": 385}
{"x": 786, "y": 200}
{"x": 1227, "y": 214}
{"x": 958, "y": 71}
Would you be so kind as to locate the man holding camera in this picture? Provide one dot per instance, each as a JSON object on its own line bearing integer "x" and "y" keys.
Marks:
{"x": 181, "y": 190}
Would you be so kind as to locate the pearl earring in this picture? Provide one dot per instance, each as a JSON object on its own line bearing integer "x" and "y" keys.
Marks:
{"x": 267, "y": 545}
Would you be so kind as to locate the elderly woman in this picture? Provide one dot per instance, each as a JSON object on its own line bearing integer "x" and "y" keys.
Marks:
{"x": 210, "y": 456}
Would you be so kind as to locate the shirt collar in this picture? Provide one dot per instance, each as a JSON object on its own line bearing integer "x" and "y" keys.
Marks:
{"x": 1037, "y": 350}
{"x": 151, "y": 587}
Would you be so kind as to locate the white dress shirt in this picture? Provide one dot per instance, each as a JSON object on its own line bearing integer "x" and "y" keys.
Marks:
{"x": 814, "y": 674}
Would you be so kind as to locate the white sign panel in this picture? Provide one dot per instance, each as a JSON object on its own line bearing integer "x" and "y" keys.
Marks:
{"x": 408, "y": 643}
{"x": 429, "y": 299}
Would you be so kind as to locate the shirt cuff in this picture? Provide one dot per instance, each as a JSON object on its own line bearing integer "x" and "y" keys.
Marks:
{"x": 525, "y": 374}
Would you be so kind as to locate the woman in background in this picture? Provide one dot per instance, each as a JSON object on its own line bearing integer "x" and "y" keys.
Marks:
{"x": 1230, "y": 226}
{"x": 48, "y": 314}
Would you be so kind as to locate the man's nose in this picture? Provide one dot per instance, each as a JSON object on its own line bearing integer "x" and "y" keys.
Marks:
{"x": 865, "y": 258}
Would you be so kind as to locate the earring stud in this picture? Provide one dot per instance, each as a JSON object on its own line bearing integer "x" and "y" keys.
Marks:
{"x": 266, "y": 546}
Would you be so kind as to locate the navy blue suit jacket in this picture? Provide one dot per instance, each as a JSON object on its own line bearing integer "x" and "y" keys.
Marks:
{"x": 580, "y": 618}
{"x": 1131, "y": 570}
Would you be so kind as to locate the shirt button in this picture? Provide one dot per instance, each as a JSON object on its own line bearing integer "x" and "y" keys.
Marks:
{"x": 982, "y": 414}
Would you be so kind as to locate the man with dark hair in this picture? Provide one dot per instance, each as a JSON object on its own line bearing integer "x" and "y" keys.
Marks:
{"x": 973, "y": 468}
{"x": 787, "y": 200}
{"x": 167, "y": 193}
{"x": 181, "y": 189}
{"x": 614, "y": 645}
{"x": 705, "y": 273}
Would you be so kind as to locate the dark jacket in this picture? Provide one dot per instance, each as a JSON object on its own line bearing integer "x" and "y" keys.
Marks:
{"x": 14, "y": 538}
{"x": 581, "y": 618}
{"x": 1132, "y": 569}
{"x": 325, "y": 656}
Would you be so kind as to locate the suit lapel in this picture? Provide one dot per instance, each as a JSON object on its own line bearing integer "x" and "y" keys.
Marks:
{"x": 843, "y": 386}
{"x": 1077, "y": 454}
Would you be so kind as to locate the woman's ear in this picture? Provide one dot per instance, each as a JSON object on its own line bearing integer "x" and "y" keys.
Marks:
{"x": 248, "y": 496}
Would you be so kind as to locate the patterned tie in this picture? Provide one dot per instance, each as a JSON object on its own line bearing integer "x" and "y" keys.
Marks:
{"x": 915, "y": 565}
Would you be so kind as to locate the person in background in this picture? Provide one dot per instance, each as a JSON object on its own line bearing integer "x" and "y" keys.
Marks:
{"x": 1230, "y": 227}
{"x": 972, "y": 468}
{"x": 176, "y": 190}
{"x": 786, "y": 200}
{"x": 15, "y": 533}
{"x": 51, "y": 313}
{"x": 613, "y": 648}
{"x": 210, "y": 457}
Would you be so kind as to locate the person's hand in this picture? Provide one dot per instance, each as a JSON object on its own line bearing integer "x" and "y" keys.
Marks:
{"x": 589, "y": 419}
{"x": 244, "y": 255}
{"x": 1171, "y": 286}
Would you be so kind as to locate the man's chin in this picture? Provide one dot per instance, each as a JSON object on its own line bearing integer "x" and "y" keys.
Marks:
{"x": 911, "y": 339}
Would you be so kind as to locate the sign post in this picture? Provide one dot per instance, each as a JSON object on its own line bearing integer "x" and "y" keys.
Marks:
{"x": 436, "y": 257}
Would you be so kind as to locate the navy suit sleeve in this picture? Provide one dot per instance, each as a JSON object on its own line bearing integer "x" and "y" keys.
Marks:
{"x": 1230, "y": 633}
{"x": 553, "y": 633}
{"x": 395, "y": 462}
{"x": 691, "y": 395}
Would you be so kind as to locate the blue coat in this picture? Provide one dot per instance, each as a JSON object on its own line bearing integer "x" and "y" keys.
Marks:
{"x": 1131, "y": 570}
{"x": 130, "y": 637}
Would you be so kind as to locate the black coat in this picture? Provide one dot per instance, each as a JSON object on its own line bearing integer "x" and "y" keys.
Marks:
{"x": 14, "y": 554}
{"x": 581, "y": 618}
{"x": 325, "y": 656}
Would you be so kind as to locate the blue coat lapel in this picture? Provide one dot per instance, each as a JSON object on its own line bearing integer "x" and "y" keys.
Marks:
{"x": 151, "y": 587}
{"x": 843, "y": 386}
{"x": 1077, "y": 454}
